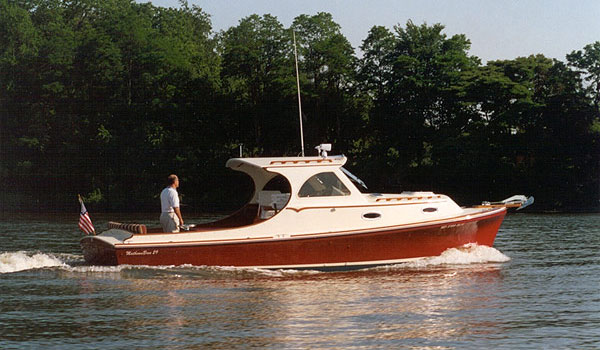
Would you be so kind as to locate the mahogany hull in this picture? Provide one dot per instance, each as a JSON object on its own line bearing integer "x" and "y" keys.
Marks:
{"x": 322, "y": 252}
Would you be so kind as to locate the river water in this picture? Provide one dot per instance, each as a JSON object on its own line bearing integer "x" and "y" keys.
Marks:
{"x": 538, "y": 288}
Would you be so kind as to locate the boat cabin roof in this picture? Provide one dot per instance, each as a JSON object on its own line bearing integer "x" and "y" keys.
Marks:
{"x": 286, "y": 162}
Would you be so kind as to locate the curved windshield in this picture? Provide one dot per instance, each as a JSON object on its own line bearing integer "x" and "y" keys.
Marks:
{"x": 323, "y": 185}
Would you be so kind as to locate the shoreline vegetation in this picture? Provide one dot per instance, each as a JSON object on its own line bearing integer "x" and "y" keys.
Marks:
{"x": 106, "y": 99}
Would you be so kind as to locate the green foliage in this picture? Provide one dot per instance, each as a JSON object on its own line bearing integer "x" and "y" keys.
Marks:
{"x": 257, "y": 74}
{"x": 375, "y": 68}
{"x": 94, "y": 197}
{"x": 19, "y": 38}
{"x": 329, "y": 70}
{"x": 109, "y": 97}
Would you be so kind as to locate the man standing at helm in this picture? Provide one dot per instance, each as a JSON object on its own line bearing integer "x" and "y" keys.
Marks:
{"x": 170, "y": 217}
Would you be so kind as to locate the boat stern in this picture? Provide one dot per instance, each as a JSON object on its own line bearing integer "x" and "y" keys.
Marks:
{"x": 100, "y": 249}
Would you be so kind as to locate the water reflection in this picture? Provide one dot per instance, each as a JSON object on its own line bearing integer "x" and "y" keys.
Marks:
{"x": 252, "y": 308}
{"x": 398, "y": 305}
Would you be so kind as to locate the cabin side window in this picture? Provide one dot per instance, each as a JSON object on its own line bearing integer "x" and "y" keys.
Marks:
{"x": 323, "y": 185}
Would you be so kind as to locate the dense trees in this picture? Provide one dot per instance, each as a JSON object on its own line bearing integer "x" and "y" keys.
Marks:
{"x": 258, "y": 80}
{"x": 106, "y": 98}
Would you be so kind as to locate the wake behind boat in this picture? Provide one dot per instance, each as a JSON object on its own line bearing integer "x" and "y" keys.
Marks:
{"x": 306, "y": 213}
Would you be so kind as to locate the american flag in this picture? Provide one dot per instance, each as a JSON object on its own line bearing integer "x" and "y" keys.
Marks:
{"x": 85, "y": 223}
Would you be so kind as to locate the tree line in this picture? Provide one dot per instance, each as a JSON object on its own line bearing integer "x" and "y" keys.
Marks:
{"x": 106, "y": 98}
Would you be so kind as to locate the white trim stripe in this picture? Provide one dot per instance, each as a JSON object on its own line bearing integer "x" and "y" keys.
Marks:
{"x": 333, "y": 265}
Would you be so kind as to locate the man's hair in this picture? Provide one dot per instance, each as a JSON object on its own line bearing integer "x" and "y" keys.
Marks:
{"x": 171, "y": 179}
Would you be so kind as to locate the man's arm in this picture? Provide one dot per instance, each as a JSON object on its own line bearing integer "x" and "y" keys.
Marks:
{"x": 178, "y": 213}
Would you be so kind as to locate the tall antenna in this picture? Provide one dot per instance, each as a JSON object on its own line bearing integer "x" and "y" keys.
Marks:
{"x": 299, "y": 101}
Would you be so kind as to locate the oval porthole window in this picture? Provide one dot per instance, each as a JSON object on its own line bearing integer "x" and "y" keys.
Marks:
{"x": 429, "y": 210}
{"x": 371, "y": 216}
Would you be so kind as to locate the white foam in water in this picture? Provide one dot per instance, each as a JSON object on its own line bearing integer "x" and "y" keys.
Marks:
{"x": 468, "y": 254}
{"x": 98, "y": 269}
{"x": 20, "y": 261}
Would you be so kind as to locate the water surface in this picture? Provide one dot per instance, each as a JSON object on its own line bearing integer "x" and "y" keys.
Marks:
{"x": 538, "y": 288}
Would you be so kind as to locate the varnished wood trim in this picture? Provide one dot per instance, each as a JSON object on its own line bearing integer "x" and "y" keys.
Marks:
{"x": 305, "y": 161}
{"x": 172, "y": 244}
{"x": 512, "y": 205}
{"x": 366, "y": 206}
{"x": 388, "y": 199}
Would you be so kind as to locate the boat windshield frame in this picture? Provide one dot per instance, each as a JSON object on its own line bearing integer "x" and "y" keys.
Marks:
{"x": 354, "y": 178}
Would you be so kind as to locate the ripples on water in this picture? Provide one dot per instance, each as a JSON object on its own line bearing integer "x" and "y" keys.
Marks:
{"x": 537, "y": 288}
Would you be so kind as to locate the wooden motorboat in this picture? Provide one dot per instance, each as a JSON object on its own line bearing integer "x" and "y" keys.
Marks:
{"x": 306, "y": 213}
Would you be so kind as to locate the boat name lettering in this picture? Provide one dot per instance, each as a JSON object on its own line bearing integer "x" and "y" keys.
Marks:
{"x": 141, "y": 252}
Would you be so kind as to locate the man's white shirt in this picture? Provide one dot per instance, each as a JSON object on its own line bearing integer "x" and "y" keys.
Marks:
{"x": 169, "y": 200}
